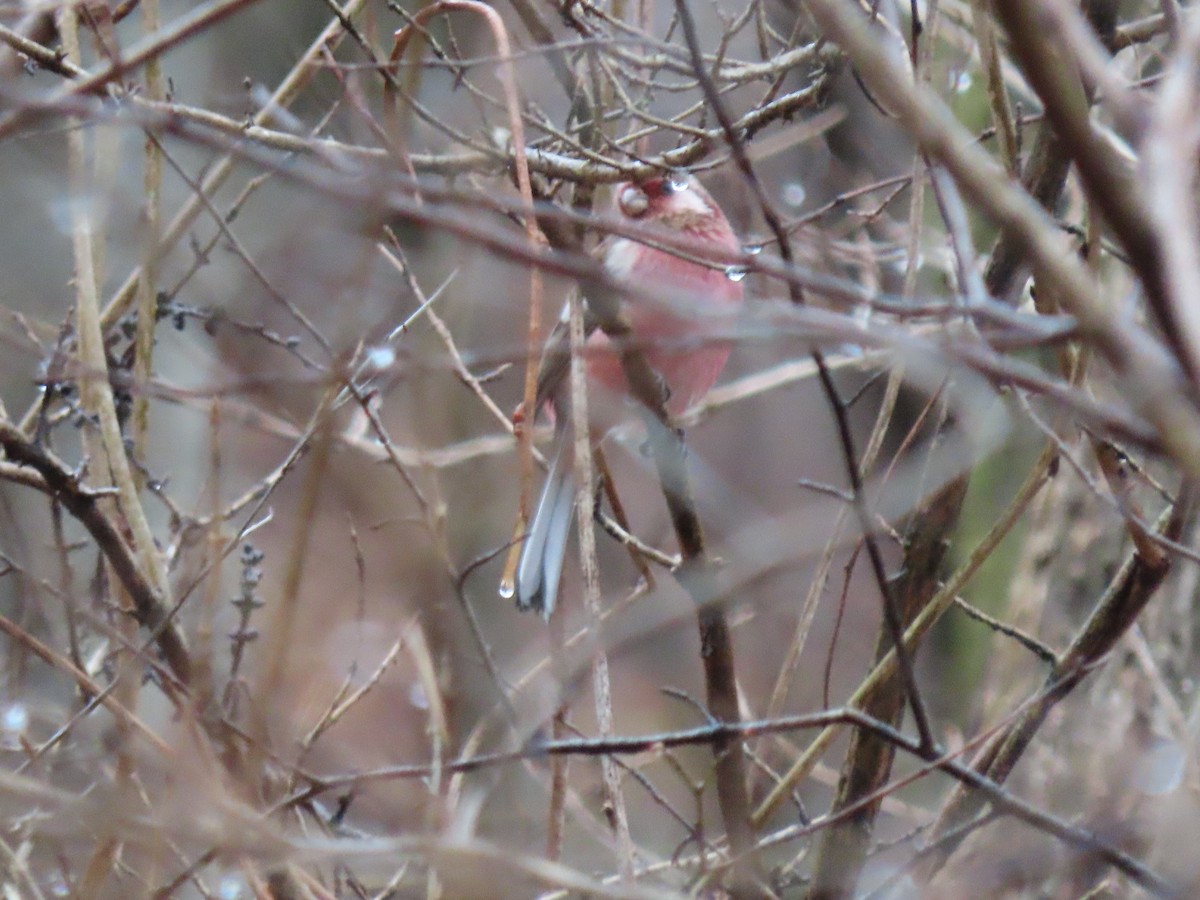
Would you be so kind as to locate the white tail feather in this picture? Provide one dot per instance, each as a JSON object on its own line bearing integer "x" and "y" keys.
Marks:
{"x": 544, "y": 551}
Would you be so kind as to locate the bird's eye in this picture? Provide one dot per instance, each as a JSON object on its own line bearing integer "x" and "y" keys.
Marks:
{"x": 632, "y": 201}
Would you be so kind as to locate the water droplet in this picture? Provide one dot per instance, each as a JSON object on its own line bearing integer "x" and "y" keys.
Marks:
{"x": 15, "y": 718}
{"x": 961, "y": 82}
{"x": 1161, "y": 768}
{"x": 381, "y": 358}
{"x": 794, "y": 194}
{"x": 899, "y": 264}
{"x": 678, "y": 181}
{"x": 736, "y": 273}
{"x": 417, "y": 696}
{"x": 850, "y": 351}
{"x": 230, "y": 887}
{"x": 501, "y": 137}
{"x": 69, "y": 211}
{"x": 752, "y": 249}
{"x": 508, "y": 590}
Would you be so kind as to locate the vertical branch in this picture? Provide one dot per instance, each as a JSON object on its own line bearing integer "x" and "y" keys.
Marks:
{"x": 1170, "y": 177}
{"x": 843, "y": 848}
{"x": 537, "y": 242}
{"x": 94, "y": 384}
{"x": 1044, "y": 172}
{"x": 98, "y": 399}
{"x": 204, "y": 688}
{"x": 402, "y": 39}
{"x": 845, "y": 437}
{"x": 284, "y": 616}
{"x": 219, "y": 171}
{"x": 697, "y": 575}
{"x": 820, "y": 577}
{"x": 601, "y": 684}
{"x": 148, "y": 277}
{"x": 559, "y": 730}
{"x": 885, "y": 671}
{"x": 1109, "y": 182}
{"x": 993, "y": 73}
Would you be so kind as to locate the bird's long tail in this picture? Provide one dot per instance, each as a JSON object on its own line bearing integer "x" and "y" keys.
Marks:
{"x": 545, "y": 548}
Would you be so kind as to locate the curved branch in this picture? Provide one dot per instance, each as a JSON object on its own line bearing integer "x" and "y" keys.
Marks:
{"x": 150, "y": 609}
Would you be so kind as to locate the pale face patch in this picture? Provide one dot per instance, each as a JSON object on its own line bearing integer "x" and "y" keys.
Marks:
{"x": 619, "y": 259}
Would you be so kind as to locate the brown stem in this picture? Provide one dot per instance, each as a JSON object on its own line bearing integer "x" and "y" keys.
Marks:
{"x": 152, "y": 613}
{"x": 843, "y": 849}
{"x": 1115, "y": 613}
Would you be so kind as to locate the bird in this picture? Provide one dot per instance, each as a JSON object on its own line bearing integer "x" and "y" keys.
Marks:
{"x": 684, "y": 339}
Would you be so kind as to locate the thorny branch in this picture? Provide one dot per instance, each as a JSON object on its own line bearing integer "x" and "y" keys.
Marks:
{"x": 84, "y": 505}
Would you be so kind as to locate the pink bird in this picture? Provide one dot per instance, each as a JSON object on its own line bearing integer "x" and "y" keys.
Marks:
{"x": 680, "y": 338}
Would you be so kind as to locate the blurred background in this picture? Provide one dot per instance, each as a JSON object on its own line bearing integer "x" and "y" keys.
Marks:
{"x": 329, "y": 475}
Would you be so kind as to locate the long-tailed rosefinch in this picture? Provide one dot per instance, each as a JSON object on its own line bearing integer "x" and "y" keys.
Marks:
{"x": 680, "y": 338}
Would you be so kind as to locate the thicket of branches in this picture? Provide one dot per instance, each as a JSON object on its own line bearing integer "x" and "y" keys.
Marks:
{"x": 903, "y": 608}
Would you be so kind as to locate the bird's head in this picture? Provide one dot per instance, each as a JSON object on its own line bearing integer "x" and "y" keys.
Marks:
{"x": 676, "y": 202}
